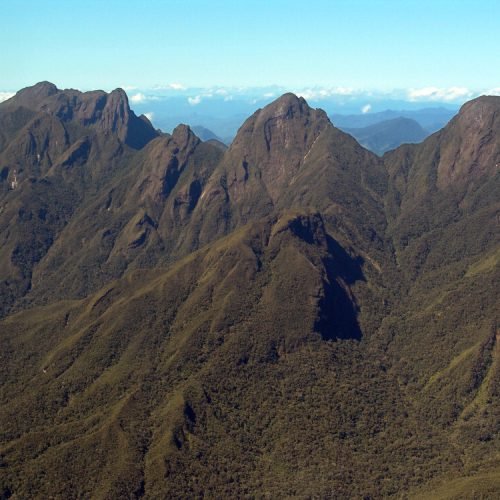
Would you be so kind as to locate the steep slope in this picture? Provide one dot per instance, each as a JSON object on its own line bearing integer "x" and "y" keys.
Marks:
{"x": 388, "y": 134}
{"x": 73, "y": 202}
{"x": 177, "y": 194}
{"x": 449, "y": 182}
{"x": 133, "y": 221}
{"x": 443, "y": 209}
{"x": 49, "y": 163}
{"x": 289, "y": 155}
{"x": 291, "y": 317}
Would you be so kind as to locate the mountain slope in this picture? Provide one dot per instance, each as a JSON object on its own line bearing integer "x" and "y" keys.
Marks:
{"x": 139, "y": 353}
{"x": 291, "y": 317}
{"x": 287, "y": 156}
{"x": 76, "y": 158}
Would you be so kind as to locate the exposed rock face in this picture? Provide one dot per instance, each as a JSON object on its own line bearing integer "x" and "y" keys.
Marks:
{"x": 106, "y": 113}
{"x": 275, "y": 142}
{"x": 164, "y": 160}
{"x": 470, "y": 146}
{"x": 288, "y": 155}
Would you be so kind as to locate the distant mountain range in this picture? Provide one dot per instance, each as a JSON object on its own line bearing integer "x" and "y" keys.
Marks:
{"x": 389, "y": 134}
{"x": 430, "y": 119}
{"x": 291, "y": 316}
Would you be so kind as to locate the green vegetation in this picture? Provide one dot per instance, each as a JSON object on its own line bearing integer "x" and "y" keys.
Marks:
{"x": 292, "y": 317}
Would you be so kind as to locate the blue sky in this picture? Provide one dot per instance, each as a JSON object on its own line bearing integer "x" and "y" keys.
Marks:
{"x": 447, "y": 49}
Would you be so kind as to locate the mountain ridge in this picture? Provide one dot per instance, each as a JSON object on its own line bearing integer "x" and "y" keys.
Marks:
{"x": 184, "y": 320}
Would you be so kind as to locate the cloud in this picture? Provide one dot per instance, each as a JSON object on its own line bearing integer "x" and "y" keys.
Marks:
{"x": 221, "y": 92}
{"x": 6, "y": 95}
{"x": 366, "y": 108}
{"x": 176, "y": 86}
{"x": 194, "y": 100}
{"x": 139, "y": 97}
{"x": 150, "y": 115}
{"x": 439, "y": 94}
{"x": 495, "y": 91}
{"x": 268, "y": 94}
{"x": 128, "y": 88}
{"x": 170, "y": 86}
{"x": 325, "y": 93}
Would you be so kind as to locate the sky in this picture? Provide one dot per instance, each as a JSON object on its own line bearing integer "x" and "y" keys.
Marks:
{"x": 447, "y": 50}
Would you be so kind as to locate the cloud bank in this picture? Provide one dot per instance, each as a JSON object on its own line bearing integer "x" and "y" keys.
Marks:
{"x": 440, "y": 94}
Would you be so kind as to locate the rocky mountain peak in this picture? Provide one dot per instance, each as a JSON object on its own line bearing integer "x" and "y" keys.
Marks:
{"x": 184, "y": 137}
{"x": 276, "y": 140}
{"x": 29, "y": 97}
{"x": 287, "y": 106}
{"x": 468, "y": 147}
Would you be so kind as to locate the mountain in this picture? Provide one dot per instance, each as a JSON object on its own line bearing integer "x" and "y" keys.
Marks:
{"x": 205, "y": 134}
{"x": 291, "y": 317}
{"x": 389, "y": 134}
{"x": 430, "y": 119}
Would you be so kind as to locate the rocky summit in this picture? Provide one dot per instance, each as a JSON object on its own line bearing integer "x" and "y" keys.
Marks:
{"x": 291, "y": 316}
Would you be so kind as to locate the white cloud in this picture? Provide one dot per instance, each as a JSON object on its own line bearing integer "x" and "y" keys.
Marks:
{"x": 194, "y": 100}
{"x": 228, "y": 98}
{"x": 170, "y": 86}
{"x": 307, "y": 93}
{"x": 344, "y": 91}
{"x": 139, "y": 97}
{"x": 495, "y": 91}
{"x": 6, "y": 95}
{"x": 439, "y": 94}
{"x": 150, "y": 115}
{"x": 128, "y": 88}
{"x": 221, "y": 92}
{"x": 366, "y": 108}
{"x": 268, "y": 94}
{"x": 324, "y": 93}
{"x": 176, "y": 86}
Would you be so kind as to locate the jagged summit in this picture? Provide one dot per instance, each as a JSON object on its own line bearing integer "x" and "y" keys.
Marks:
{"x": 283, "y": 114}
{"x": 184, "y": 136}
{"x": 277, "y": 138}
{"x": 105, "y": 113}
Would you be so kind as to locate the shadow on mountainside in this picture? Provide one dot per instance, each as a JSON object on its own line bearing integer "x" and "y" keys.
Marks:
{"x": 338, "y": 310}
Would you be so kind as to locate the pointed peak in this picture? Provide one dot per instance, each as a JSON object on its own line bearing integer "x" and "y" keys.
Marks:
{"x": 119, "y": 93}
{"x": 184, "y": 136}
{"x": 289, "y": 98}
{"x": 288, "y": 105}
